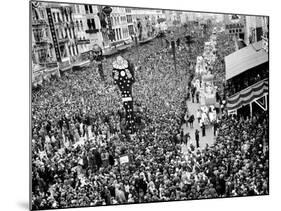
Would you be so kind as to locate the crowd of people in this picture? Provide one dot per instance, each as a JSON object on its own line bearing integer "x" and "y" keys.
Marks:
{"x": 78, "y": 139}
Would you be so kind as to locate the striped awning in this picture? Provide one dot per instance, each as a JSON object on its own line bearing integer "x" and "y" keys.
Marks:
{"x": 247, "y": 95}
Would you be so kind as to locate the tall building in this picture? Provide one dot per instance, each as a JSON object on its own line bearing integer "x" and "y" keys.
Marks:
{"x": 82, "y": 40}
{"x": 130, "y": 22}
{"x": 235, "y": 25}
{"x": 256, "y": 28}
{"x": 93, "y": 26}
{"x": 44, "y": 61}
{"x": 42, "y": 48}
{"x": 145, "y": 21}
{"x": 63, "y": 33}
{"x": 120, "y": 26}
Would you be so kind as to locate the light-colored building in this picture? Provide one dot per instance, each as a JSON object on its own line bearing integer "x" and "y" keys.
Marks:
{"x": 82, "y": 40}
{"x": 120, "y": 26}
{"x": 44, "y": 60}
{"x": 131, "y": 26}
{"x": 235, "y": 25}
{"x": 93, "y": 26}
{"x": 256, "y": 28}
{"x": 42, "y": 48}
{"x": 60, "y": 18}
{"x": 145, "y": 21}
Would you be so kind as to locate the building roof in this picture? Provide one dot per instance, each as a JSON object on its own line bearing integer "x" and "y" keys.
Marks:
{"x": 245, "y": 59}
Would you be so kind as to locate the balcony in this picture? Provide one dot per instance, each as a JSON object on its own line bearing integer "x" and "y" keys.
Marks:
{"x": 39, "y": 23}
{"x": 82, "y": 41}
{"x": 42, "y": 41}
{"x": 63, "y": 40}
{"x": 92, "y": 31}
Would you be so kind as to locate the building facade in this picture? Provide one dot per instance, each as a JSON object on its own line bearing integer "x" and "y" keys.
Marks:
{"x": 120, "y": 26}
{"x": 93, "y": 26}
{"x": 235, "y": 25}
{"x": 42, "y": 48}
{"x": 256, "y": 29}
{"x": 82, "y": 40}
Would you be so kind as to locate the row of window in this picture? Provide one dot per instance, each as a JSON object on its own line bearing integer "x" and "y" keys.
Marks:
{"x": 79, "y": 25}
{"x": 89, "y": 9}
{"x": 39, "y": 34}
{"x": 91, "y": 23}
{"x": 118, "y": 20}
{"x": 65, "y": 33}
{"x": 235, "y": 30}
{"x": 58, "y": 17}
{"x": 120, "y": 34}
{"x": 129, "y": 19}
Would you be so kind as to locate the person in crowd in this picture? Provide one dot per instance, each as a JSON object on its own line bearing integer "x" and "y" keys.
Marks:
{"x": 197, "y": 138}
{"x": 191, "y": 120}
{"x": 197, "y": 97}
{"x": 198, "y": 115}
{"x": 203, "y": 128}
{"x": 78, "y": 139}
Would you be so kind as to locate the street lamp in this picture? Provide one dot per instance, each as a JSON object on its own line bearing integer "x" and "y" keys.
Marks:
{"x": 98, "y": 57}
{"x": 173, "y": 41}
{"x": 135, "y": 40}
{"x": 107, "y": 11}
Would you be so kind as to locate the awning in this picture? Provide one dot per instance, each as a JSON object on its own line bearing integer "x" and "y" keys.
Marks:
{"x": 247, "y": 95}
{"x": 244, "y": 59}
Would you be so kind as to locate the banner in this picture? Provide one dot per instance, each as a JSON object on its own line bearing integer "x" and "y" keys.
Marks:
{"x": 53, "y": 33}
{"x": 124, "y": 159}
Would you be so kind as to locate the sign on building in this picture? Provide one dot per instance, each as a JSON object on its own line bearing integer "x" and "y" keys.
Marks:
{"x": 53, "y": 34}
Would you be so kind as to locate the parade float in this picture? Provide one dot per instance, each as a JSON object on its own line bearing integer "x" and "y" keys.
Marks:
{"x": 204, "y": 82}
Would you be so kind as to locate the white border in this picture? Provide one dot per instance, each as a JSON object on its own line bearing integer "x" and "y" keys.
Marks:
{"x": 15, "y": 104}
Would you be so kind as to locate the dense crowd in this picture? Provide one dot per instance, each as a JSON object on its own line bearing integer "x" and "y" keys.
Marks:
{"x": 78, "y": 138}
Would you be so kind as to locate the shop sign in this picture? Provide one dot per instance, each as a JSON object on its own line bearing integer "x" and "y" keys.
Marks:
{"x": 53, "y": 34}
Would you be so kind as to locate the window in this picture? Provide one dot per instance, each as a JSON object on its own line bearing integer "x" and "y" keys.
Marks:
{"x": 81, "y": 23}
{"x": 35, "y": 14}
{"x": 42, "y": 55}
{"x": 70, "y": 34}
{"x": 91, "y": 9}
{"x": 93, "y": 24}
{"x": 116, "y": 34}
{"x": 131, "y": 29}
{"x": 86, "y": 8}
{"x": 58, "y": 34}
{"x": 129, "y": 19}
{"x": 78, "y": 9}
{"x": 42, "y": 14}
{"x": 73, "y": 50}
{"x": 66, "y": 35}
{"x": 120, "y": 33}
{"x": 77, "y": 49}
{"x": 58, "y": 17}
{"x": 77, "y": 25}
{"x": 89, "y": 23}
{"x": 54, "y": 16}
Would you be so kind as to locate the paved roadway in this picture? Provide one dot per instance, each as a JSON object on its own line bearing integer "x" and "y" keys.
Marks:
{"x": 207, "y": 139}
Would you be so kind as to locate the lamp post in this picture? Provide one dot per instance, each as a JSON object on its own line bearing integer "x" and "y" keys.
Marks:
{"x": 172, "y": 41}
{"x": 98, "y": 57}
{"x": 107, "y": 11}
{"x": 135, "y": 40}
